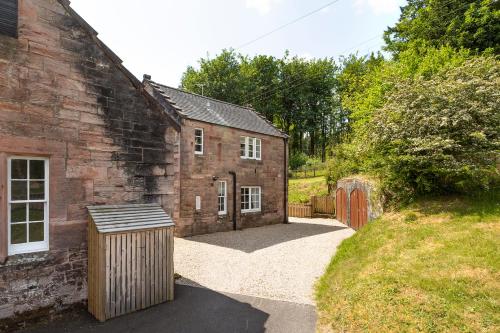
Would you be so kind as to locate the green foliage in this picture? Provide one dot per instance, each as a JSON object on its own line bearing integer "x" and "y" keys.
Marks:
{"x": 296, "y": 94}
{"x": 470, "y": 24}
{"x": 343, "y": 163}
{"x": 441, "y": 134}
{"x": 432, "y": 267}
{"x": 297, "y": 160}
{"x": 301, "y": 190}
{"x": 314, "y": 163}
{"x": 220, "y": 77}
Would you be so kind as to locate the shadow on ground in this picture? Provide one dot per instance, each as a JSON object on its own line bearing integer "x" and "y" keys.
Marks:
{"x": 197, "y": 310}
{"x": 254, "y": 239}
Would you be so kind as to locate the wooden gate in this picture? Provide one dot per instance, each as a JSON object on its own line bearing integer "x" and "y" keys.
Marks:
{"x": 358, "y": 209}
{"x": 341, "y": 205}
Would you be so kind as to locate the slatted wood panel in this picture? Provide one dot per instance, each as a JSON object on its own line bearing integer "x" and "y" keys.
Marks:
{"x": 129, "y": 271}
{"x": 341, "y": 205}
{"x": 299, "y": 210}
{"x": 358, "y": 209}
{"x": 323, "y": 205}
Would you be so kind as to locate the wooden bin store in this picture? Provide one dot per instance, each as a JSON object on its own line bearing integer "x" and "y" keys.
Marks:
{"x": 130, "y": 259}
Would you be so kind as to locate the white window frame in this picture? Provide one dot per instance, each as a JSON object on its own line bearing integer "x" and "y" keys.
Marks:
{"x": 254, "y": 142}
{"x": 28, "y": 247}
{"x": 223, "y": 197}
{"x": 257, "y": 142}
{"x": 251, "y": 209}
{"x": 202, "y": 141}
{"x": 197, "y": 202}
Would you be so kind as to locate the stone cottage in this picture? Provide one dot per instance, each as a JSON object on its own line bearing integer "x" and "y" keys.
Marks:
{"x": 76, "y": 129}
{"x": 233, "y": 164}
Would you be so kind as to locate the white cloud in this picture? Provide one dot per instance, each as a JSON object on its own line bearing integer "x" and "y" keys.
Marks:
{"x": 378, "y": 7}
{"x": 262, "y": 6}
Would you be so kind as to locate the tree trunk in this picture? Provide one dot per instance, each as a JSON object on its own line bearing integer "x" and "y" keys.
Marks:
{"x": 312, "y": 143}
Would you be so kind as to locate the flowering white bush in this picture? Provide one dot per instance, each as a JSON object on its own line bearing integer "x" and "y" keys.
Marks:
{"x": 442, "y": 134}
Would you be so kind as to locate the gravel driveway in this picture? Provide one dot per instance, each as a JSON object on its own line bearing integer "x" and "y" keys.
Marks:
{"x": 280, "y": 262}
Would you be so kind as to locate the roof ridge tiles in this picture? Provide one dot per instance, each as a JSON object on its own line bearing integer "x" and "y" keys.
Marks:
{"x": 205, "y": 97}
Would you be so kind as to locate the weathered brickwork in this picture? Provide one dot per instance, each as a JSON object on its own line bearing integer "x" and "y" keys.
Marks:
{"x": 66, "y": 97}
{"x": 220, "y": 156}
{"x": 55, "y": 279}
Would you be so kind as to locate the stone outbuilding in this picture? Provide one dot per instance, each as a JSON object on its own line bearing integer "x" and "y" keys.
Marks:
{"x": 358, "y": 201}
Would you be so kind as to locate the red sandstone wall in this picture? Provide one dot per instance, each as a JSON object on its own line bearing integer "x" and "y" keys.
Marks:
{"x": 221, "y": 155}
{"x": 63, "y": 98}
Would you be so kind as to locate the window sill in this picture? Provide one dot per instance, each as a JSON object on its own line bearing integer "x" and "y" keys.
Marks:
{"x": 250, "y": 159}
{"x": 26, "y": 258}
{"x": 251, "y": 211}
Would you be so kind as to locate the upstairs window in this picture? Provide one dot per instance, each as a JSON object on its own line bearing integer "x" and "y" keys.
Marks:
{"x": 250, "y": 199}
{"x": 198, "y": 141}
{"x": 250, "y": 148}
{"x": 28, "y": 200}
{"x": 8, "y": 18}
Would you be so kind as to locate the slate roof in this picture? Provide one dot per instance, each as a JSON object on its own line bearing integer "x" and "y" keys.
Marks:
{"x": 201, "y": 108}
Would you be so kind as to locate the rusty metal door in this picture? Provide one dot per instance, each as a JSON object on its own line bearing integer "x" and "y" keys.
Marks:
{"x": 358, "y": 209}
{"x": 341, "y": 205}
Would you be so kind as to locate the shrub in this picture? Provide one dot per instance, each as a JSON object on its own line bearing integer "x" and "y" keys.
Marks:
{"x": 343, "y": 163}
{"x": 297, "y": 160}
{"x": 442, "y": 134}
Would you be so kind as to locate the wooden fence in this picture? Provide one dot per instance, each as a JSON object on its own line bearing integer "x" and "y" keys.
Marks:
{"x": 300, "y": 210}
{"x": 317, "y": 206}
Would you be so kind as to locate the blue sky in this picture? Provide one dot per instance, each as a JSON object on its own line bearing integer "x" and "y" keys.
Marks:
{"x": 163, "y": 37}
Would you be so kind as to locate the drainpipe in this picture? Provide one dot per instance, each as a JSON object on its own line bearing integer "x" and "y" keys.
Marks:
{"x": 285, "y": 178}
{"x": 232, "y": 173}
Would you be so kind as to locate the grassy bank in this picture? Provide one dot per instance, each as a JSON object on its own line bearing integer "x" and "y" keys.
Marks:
{"x": 431, "y": 267}
{"x": 301, "y": 190}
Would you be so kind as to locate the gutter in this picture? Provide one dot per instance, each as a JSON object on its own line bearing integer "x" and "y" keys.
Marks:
{"x": 232, "y": 173}
{"x": 285, "y": 178}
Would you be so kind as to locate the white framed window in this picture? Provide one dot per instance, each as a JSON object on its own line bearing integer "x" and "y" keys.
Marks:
{"x": 250, "y": 148}
{"x": 198, "y": 202}
{"x": 222, "y": 197}
{"x": 198, "y": 141}
{"x": 250, "y": 199}
{"x": 243, "y": 147}
{"x": 258, "y": 149}
{"x": 28, "y": 204}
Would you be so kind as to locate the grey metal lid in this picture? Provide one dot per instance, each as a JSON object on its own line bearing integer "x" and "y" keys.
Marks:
{"x": 119, "y": 218}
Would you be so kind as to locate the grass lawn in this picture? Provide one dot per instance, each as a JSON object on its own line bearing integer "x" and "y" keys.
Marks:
{"x": 431, "y": 267}
{"x": 301, "y": 190}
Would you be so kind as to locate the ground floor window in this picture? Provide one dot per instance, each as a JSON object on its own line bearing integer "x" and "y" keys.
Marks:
{"x": 250, "y": 199}
{"x": 222, "y": 197}
{"x": 28, "y": 199}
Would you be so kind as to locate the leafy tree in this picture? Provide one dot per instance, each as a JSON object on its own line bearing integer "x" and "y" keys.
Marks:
{"x": 441, "y": 134}
{"x": 470, "y": 24}
{"x": 298, "y": 95}
{"x": 220, "y": 77}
